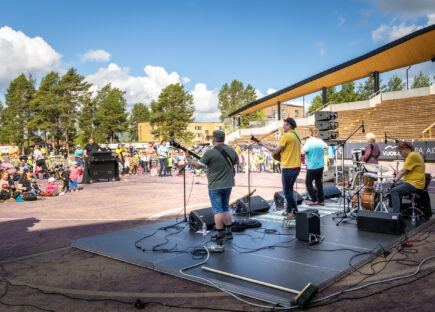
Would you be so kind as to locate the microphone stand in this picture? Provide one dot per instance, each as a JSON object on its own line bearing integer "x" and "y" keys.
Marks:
{"x": 343, "y": 216}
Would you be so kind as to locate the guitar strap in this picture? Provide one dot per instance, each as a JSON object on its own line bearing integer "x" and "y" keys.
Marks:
{"x": 227, "y": 157}
{"x": 296, "y": 136}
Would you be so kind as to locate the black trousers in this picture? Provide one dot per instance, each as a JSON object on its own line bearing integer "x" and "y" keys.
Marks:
{"x": 316, "y": 175}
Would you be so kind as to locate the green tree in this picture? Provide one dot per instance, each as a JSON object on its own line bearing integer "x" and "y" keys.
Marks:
{"x": 171, "y": 113}
{"x": 139, "y": 113}
{"x": 45, "y": 107}
{"x": 74, "y": 93}
{"x": 317, "y": 102}
{"x": 420, "y": 81}
{"x": 111, "y": 114}
{"x": 367, "y": 88}
{"x": 87, "y": 120}
{"x": 395, "y": 84}
{"x": 346, "y": 94}
{"x": 234, "y": 96}
{"x": 17, "y": 112}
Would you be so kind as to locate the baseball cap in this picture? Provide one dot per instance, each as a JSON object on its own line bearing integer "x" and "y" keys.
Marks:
{"x": 32, "y": 180}
{"x": 51, "y": 179}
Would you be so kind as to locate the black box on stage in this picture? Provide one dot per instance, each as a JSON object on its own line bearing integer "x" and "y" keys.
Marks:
{"x": 257, "y": 203}
{"x": 102, "y": 170}
{"x": 380, "y": 222}
{"x": 279, "y": 198}
{"x": 307, "y": 222}
{"x": 198, "y": 217}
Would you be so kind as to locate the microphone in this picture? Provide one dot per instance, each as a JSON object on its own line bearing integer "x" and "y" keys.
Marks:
{"x": 204, "y": 144}
{"x": 386, "y": 138}
{"x": 362, "y": 124}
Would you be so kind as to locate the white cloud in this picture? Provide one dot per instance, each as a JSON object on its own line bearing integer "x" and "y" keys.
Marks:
{"x": 386, "y": 33}
{"x": 96, "y": 55}
{"x": 270, "y": 91}
{"x": 258, "y": 94}
{"x": 321, "y": 46}
{"x": 22, "y": 54}
{"x": 206, "y": 103}
{"x": 341, "y": 21}
{"x": 138, "y": 88}
{"x": 185, "y": 79}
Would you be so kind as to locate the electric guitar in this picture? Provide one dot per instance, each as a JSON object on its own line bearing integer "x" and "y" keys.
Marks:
{"x": 179, "y": 146}
{"x": 276, "y": 156}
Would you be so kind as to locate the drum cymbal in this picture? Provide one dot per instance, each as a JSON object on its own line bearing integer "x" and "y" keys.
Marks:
{"x": 371, "y": 175}
{"x": 375, "y": 168}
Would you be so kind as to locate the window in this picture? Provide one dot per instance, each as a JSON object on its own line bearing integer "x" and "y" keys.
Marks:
{"x": 206, "y": 132}
{"x": 198, "y": 135}
{"x": 296, "y": 113}
{"x": 198, "y": 127}
{"x": 220, "y": 128}
{"x": 273, "y": 113}
{"x": 283, "y": 114}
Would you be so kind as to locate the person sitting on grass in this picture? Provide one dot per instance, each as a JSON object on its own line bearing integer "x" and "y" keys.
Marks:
{"x": 74, "y": 176}
{"x": 51, "y": 189}
{"x": 34, "y": 187}
{"x": 6, "y": 191}
{"x": 24, "y": 186}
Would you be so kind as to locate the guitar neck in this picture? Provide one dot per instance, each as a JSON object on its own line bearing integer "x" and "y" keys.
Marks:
{"x": 189, "y": 152}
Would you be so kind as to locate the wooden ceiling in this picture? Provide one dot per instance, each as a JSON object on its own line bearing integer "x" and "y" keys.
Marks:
{"x": 412, "y": 49}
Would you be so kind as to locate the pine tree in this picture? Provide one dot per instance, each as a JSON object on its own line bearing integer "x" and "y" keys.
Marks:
{"x": 139, "y": 113}
{"x": 17, "y": 112}
{"x": 420, "y": 81}
{"x": 234, "y": 96}
{"x": 73, "y": 92}
{"x": 171, "y": 113}
{"x": 111, "y": 114}
{"x": 367, "y": 88}
{"x": 395, "y": 84}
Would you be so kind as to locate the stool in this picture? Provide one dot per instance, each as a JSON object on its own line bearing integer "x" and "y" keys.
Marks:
{"x": 416, "y": 213}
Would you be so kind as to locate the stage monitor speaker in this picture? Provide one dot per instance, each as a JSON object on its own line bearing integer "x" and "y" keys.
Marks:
{"x": 257, "y": 203}
{"x": 330, "y": 190}
{"x": 380, "y": 222}
{"x": 200, "y": 216}
{"x": 307, "y": 222}
{"x": 279, "y": 199}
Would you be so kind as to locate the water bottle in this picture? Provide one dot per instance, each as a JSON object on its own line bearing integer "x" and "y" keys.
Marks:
{"x": 204, "y": 229}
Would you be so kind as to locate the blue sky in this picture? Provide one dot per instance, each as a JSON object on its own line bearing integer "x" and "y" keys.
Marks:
{"x": 142, "y": 46}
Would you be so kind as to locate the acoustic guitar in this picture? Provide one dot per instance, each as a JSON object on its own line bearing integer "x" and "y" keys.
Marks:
{"x": 179, "y": 146}
{"x": 276, "y": 156}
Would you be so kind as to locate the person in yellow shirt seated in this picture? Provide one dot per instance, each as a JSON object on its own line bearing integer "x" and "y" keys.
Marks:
{"x": 13, "y": 151}
{"x": 289, "y": 147}
{"x": 413, "y": 174}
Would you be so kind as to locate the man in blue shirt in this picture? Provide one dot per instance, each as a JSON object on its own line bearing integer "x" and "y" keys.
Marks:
{"x": 314, "y": 150}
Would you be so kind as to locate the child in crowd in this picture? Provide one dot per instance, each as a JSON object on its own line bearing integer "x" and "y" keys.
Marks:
{"x": 127, "y": 164}
{"x": 74, "y": 176}
{"x": 64, "y": 175}
{"x": 51, "y": 189}
{"x": 134, "y": 164}
{"x": 35, "y": 187}
{"x": 170, "y": 161}
{"x": 144, "y": 162}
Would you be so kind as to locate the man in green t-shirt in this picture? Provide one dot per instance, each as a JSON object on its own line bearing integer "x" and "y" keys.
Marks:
{"x": 219, "y": 162}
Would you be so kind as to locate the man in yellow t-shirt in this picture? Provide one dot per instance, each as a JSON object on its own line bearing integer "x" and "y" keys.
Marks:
{"x": 413, "y": 174}
{"x": 289, "y": 147}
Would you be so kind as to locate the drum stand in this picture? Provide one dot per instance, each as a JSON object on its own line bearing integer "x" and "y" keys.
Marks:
{"x": 343, "y": 215}
{"x": 381, "y": 206}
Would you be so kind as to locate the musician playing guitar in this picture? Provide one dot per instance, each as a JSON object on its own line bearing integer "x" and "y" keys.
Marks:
{"x": 289, "y": 147}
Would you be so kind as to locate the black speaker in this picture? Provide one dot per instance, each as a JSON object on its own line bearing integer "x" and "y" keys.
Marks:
{"x": 307, "y": 222}
{"x": 198, "y": 217}
{"x": 279, "y": 198}
{"x": 380, "y": 222}
{"x": 102, "y": 170}
{"x": 330, "y": 190}
{"x": 258, "y": 205}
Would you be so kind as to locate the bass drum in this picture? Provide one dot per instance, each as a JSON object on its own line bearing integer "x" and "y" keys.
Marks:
{"x": 369, "y": 199}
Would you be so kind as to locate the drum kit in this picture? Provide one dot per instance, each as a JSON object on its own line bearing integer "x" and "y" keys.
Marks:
{"x": 368, "y": 188}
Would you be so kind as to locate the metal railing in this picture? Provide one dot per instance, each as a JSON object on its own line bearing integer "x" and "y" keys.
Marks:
{"x": 428, "y": 129}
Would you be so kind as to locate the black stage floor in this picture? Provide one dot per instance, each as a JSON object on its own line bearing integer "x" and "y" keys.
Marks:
{"x": 291, "y": 263}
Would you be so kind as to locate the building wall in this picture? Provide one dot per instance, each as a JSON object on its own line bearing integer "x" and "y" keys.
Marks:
{"x": 271, "y": 112}
{"x": 201, "y": 131}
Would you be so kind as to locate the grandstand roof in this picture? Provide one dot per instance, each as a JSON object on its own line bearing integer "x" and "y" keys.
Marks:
{"x": 414, "y": 48}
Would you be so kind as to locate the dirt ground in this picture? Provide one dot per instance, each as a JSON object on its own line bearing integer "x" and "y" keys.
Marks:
{"x": 44, "y": 272}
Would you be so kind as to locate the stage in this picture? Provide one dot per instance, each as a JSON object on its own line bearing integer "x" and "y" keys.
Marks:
{"x": 277, "y": 258}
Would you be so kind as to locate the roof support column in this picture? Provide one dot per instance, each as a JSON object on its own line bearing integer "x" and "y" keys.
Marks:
{"x": 279, "y": 110}
{"x": 324, "y": 96}
{"x": 376, "y": 81}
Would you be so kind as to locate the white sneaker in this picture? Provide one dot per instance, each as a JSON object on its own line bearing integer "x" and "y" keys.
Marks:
{"x": 61, "y": 193}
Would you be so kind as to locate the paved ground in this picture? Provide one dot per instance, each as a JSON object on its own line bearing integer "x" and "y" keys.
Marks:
{"x": 35, "y": 240}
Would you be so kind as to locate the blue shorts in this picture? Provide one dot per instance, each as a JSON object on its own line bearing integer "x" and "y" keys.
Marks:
{"x": 73, "y": 185}
{"x": 220, "y": 200}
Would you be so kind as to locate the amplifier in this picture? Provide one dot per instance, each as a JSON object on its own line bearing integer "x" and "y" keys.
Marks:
{"x": 279, "y": 199}
{"x": 257, "y": 203}
{"x": 307, "y": 222}
{"x": 380, "y": 222}
{"x": 200, "y": 216}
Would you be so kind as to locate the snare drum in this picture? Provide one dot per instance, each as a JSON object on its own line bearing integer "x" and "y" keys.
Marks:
{"x": 369, "y": 180}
